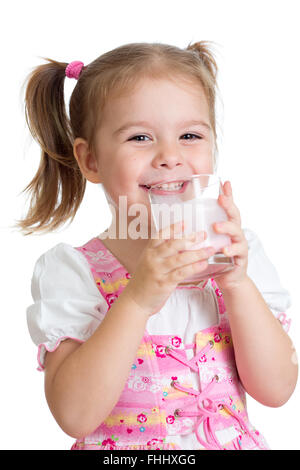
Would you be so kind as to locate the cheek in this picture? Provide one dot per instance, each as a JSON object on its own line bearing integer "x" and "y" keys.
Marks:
{"x": 122, "y": 180}
{"x": 127, "y": 169}
{"x": 204, "y": 165}
{"x": 120, "y": 175}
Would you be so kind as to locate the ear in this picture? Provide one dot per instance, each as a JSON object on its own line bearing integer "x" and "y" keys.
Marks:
{"x": 86, "y": 160}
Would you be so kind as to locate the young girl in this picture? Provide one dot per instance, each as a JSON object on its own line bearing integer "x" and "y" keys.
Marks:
{"x": 133, "y": 357}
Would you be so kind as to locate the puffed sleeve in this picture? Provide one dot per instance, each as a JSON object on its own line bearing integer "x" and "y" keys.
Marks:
{"x": 67, "y": 302}
{"x": 264, "y": 275}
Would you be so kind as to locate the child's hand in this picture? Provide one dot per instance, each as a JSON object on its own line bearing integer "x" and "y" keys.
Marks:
{"x": 239, "y": 246}
{"x": 162, "y": 266}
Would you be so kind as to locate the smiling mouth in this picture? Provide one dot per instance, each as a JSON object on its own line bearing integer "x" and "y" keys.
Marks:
{"x": 166, "y": 188}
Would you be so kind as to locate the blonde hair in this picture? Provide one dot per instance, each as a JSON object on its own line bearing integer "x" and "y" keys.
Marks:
{"x": 58, "y": 186}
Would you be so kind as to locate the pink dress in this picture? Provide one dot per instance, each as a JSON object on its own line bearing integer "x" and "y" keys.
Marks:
{"x": 159, "y": 400}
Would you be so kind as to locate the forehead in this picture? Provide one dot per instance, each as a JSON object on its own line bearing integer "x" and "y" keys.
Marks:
{"x": 158, "y": 96}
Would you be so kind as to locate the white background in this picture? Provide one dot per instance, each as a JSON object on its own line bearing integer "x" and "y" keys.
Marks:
{"x": 257, "y": 49}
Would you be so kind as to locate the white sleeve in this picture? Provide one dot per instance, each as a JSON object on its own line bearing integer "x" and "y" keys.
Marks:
{"x": 264, "y": 275}
{"x": 67, "y": 302}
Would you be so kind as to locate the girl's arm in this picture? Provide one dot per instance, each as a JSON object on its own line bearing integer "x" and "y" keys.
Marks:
{"x": 264, "y": 353}
{"x": 83, "y": 382}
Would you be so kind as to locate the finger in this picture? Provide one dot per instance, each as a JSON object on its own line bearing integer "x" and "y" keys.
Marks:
{"x": 230, "y": 208}
{"x": 186, "y": 258}
{"x": 230, "y": 228}
{"x": 227, "y": 188}
{"x": 236, "y": 250}
{"x": 172, "y": 246}
{"x": 183, "y": 272}
{"x": 226, "y": 202}
{"x": 168, "y": 232}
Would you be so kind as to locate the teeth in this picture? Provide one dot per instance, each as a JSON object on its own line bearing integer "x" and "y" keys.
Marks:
{"x": 170, "y": 186}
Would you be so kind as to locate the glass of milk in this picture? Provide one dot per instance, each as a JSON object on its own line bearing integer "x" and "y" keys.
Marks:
{"x": 193, "y": 199}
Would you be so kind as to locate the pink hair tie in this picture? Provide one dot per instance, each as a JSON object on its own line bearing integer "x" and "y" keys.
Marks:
{"x": 74, "y": 68}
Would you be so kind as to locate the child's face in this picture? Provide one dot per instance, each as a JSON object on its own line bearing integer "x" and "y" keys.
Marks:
{"x": 168, "y": 146}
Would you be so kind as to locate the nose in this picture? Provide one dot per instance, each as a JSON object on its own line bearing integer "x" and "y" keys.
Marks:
{"x": 168, "y": 156}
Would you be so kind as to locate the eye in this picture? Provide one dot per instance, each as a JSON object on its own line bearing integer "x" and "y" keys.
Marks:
{"x": 138, "y": 137}
{"x": 142, "y": 137}
{"x": 192, "y": 135}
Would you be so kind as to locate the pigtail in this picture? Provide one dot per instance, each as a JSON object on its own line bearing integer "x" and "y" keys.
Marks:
{"x": 58, "y": 187}
{"x": 58, "y": 175}
{"x": 202, "y": 49}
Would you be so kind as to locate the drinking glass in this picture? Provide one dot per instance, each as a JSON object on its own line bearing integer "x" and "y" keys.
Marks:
{"x": 194, "y": 199}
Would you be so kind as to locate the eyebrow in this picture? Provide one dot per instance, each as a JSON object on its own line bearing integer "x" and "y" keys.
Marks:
{"x": 128, "y": 125}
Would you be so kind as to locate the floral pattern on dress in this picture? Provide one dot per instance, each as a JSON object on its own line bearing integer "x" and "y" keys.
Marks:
{"x": 139, "y": 419}
{"x": 160, "y": 350}
{"x": 142, "y": 384}
{"x": 176, "y": 341}
{"x": 100, "y": 256}
{"x": 142, "y": 418}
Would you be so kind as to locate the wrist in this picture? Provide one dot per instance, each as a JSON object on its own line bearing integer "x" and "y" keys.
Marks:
{"x": 244, "y": 283}
{"x": 133, "y": 304}
{"x": 241, "y": 297}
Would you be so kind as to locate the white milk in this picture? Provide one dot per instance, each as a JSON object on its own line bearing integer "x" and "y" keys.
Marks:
{"x": 198, "y": 214}
{"x": 201, "y": 215}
